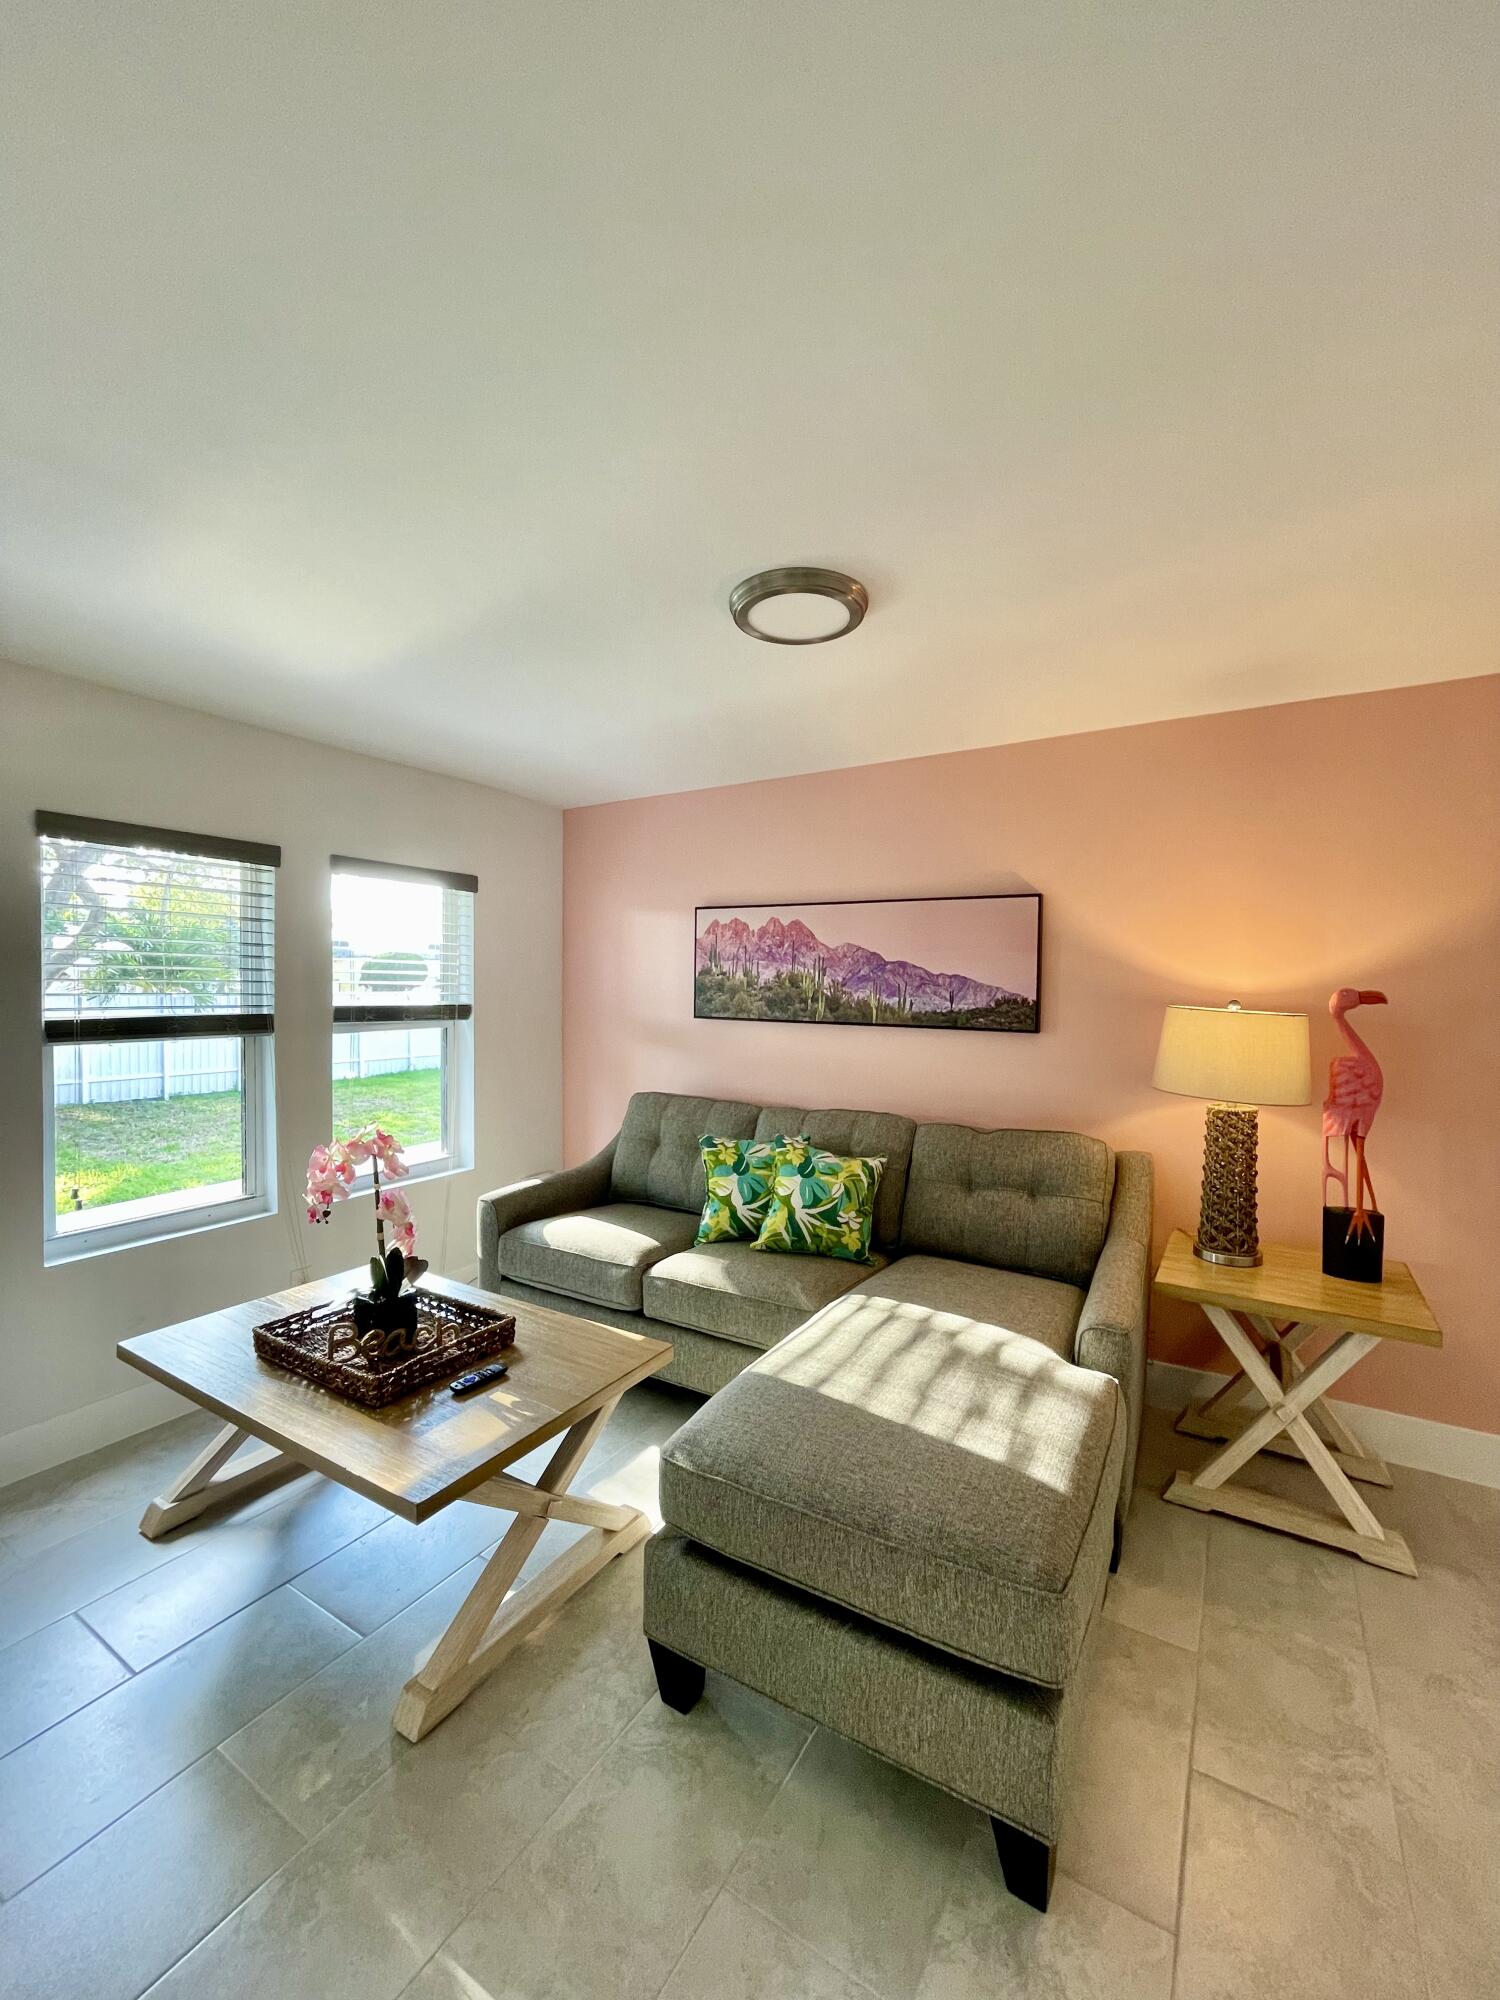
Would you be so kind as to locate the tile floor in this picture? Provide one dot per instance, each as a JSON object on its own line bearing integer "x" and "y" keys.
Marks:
{"x": 1290, "y": 1779}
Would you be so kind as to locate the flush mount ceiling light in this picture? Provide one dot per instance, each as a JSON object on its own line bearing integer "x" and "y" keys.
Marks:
{"x": 798, "y": 607}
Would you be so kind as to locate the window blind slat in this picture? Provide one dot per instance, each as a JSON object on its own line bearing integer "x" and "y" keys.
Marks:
{"x": 146, "y": 941}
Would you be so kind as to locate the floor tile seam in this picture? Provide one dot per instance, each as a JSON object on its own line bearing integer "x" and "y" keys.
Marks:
{"x": 80, "y": 1611}
{"x": 713, "y": 1897}
{"x": 1187, "y": 1799}
{"x": 584, "y": 1778}
{"x": 1411, "y": 1901}
{"x": 1141, "y": 1632}
{"x": 309, "y": 1842}
{"x": 515, "y": 1854}
{"x": 220, "y": 1750}
{"x": 791, "y": 1771}
{"x": 78, "y": 1846}
{"x": 15, "y": 1895}
{"x": 1330, "y": 1828}
{"x": 113, "y": 1651}
{"x": 77, "y": 1610}
{"x": 512, "y": 1859}
{"x": 131, "y": 1510}
{"x": 861, "y": 1985}
{"x": 313, "y": 1604}
{"x": 1356, "y": 1653}
{"x": 130, "y": 1675}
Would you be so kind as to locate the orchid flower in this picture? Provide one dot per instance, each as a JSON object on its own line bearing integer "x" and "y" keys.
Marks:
{"x": 394, "y": 1211}
{"x": 333, "y": 1169}
{"x": 329, "y": 1178}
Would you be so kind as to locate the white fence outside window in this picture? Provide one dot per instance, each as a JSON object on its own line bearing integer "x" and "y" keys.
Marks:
{"x": 119, "y": 1072}
{"x": 115, "y": 1072}
{"x": 385, "y": 1051}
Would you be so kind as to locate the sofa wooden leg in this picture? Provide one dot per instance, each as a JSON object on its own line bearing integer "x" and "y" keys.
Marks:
{"x": 679, "y": 1681}
{"x": 1026, "y": 1863}
{"x": 1118, "y": 1545}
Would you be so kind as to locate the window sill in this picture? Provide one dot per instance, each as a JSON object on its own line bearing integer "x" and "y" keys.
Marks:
{"x": 421, "y": 1170}
{"x": 73, "y": 1246}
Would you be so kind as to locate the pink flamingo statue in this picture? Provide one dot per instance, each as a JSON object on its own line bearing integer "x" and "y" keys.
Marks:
{"x": 1355, "y": 1086}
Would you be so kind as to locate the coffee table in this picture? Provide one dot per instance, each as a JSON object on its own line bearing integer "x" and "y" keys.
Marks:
{"x": 415, "y": 1456}
{"x": 1283, "y": 1301}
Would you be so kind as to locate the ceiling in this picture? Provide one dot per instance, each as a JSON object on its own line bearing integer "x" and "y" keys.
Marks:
{"x": 420, "y": 378}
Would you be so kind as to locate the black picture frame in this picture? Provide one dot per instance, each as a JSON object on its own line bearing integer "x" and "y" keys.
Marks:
{"x": 1020, "y": 1017}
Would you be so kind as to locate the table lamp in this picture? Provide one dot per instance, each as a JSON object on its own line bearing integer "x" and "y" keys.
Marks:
{"x": 1239, "y": 1057}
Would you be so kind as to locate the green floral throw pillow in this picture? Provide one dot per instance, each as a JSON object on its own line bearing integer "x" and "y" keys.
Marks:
{"x": 821, "y": 1205}
{"x": 739, "y": 1173}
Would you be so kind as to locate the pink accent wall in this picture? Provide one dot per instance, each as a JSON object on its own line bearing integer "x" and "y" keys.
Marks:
{"x": 1268, "y": 855}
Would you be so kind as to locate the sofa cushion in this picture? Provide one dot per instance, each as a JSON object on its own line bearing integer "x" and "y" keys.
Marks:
{"x": 868, "y": 1134}
{"x": 821, "y": 1204}
{"x": 936, "y": 1291}
{"x": 959, "y": 1486}
{"x": 1024, "y": 1201}
{"x": 656, "y": 1155}
{"x": 595, "y": 1253}
{"x": 740, "y": 1174}
{"x": 731, "y": 1290}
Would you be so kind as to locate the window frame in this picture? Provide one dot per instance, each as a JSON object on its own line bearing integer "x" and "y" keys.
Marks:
{"x": 254, "y": 1030}
{"x": 457, "y": 1156}
{"x": 63, "y": 1246}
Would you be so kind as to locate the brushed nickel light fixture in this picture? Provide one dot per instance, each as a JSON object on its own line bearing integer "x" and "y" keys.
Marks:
{"x": 798, "y": 607}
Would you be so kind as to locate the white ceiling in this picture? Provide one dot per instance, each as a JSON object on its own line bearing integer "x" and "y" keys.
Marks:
{"x": 420, "y": 377}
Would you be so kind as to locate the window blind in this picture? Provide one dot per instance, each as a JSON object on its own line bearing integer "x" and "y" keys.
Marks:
{"x": 150, "y": 934}
{"x": 403, "y": 943}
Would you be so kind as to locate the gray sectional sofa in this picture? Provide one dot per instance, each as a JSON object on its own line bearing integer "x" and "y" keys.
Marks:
{"x": 897, "y": 1511}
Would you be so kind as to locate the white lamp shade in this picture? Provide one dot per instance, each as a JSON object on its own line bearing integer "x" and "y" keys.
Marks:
{"x": 1234, "y": 1055}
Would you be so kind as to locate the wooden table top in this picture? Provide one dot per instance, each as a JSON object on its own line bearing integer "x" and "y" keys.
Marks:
{"x": 1289, "y": 1284}
{"x": 416, "y": 1455}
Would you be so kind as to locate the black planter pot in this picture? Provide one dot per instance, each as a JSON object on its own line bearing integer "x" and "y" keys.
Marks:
{"x": 395, "y": 1318}
{"x": 1359, "y": 1258}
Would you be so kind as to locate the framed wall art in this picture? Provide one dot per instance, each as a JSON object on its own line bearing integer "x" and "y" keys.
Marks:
{"x": 912, "y": 962}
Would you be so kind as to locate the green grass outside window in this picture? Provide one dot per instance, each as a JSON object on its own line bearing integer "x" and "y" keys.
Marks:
{"x": 146, "y": 1146}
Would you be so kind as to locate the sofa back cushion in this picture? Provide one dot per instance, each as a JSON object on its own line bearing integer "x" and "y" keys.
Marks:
{"x": 854, "y": 1134}
{"x": 1022, "y": 1201}
{"x": 657, "y": 1157}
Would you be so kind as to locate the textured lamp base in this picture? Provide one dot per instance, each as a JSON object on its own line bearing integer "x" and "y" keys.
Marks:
{"x": 1228, "y": 1232}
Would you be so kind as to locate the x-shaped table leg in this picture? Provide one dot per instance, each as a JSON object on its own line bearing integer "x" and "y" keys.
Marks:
{"x": 1223, "y": 1415}
{"x": 215, "y": 1475}
{"x": 488, "y": 1625}
{"x": 1291, "y": 1394}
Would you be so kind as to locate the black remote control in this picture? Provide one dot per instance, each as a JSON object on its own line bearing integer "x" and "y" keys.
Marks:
{"x": 480, "y": 1379}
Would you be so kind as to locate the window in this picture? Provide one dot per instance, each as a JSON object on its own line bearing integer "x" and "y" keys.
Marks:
{"x": 403, "y": 990}
{"x": 158, "y": 990}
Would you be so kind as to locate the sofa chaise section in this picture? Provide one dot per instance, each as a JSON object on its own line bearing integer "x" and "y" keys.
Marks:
{"x": 902, "y": 1528}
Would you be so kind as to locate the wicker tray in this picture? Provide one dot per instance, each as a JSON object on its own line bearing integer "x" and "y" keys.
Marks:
{"x": 322, "y": 1343}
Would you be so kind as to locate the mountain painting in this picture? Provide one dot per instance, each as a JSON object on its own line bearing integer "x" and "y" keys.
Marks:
{"x": 930, "y": 962}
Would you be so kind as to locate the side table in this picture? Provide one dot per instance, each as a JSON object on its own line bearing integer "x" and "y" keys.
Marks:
{"x": 1284, "y": 1300}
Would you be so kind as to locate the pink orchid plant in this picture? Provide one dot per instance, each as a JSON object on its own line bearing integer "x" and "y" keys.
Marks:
{"x": 331, "y": 1174}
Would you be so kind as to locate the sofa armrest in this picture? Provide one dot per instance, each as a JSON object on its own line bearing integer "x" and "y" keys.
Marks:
{"x": 1111, "y": 1333}
{"x": 583, "y": 1186}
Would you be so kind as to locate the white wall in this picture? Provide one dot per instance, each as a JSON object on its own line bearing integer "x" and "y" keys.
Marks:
{"x": 71, "y": 747}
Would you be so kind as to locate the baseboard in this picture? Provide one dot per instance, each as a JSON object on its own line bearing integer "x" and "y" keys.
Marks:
{"x": 1420, "y": 1442}
{"x": 41, "y": 1446}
